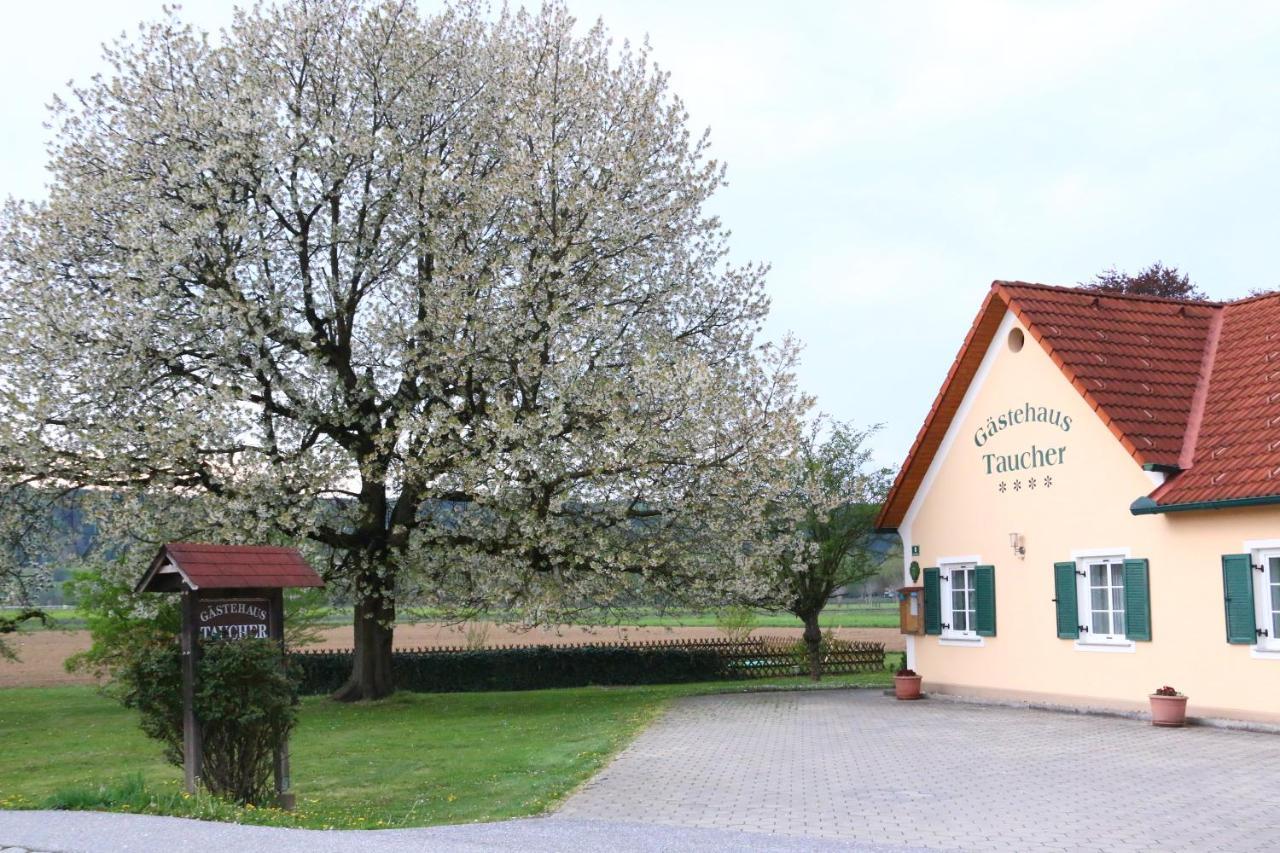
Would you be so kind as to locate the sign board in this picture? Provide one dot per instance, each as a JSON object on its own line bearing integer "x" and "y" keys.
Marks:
{"x": 233, "y": 619}
{"x": 911, "y": 610}
{"x": 229, "y": 593}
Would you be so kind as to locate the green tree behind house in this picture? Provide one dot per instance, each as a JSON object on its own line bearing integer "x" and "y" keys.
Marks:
{"x": 830, "y": 512}
{"x": 1155, "y": 280}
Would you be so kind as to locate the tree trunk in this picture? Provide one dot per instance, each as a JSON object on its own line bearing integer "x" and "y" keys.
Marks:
{"x": 371, "y": 660}
{"x": 813, "y": 639}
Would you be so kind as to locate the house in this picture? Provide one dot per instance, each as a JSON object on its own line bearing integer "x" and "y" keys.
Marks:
{"x": 1093, "y": 504}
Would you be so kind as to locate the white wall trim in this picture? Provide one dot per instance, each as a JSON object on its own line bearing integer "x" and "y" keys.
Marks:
{"x": 904, "y": 533}
{"x": 1120, "y": 646}
{"x": 1007, "y": 322}
{"x": 962, "y": 414}
{"x": 962, "y": 642}
{"x": 1086, "y": 553}
{"x": 1266, "y": 648}
{"x": 959, "y": 561}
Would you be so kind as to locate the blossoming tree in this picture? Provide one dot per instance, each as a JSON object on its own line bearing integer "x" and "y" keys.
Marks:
{"x": 436, "y": 295}
{"x": 825, "y": 520}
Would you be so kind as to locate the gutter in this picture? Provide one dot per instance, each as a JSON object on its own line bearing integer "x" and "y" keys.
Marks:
{"x": 1146, "y": 506}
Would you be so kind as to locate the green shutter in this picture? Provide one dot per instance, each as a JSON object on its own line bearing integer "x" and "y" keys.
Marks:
{"x": 1137, "y": 600}
{"x": 984, "y": 582}
{"x": 1064, "y": 590}
{"x": 932, "y": 601}
{"x": 1237, "y": 590}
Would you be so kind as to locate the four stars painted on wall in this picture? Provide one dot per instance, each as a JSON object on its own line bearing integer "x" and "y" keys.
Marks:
{"x": 1030, "y": 483}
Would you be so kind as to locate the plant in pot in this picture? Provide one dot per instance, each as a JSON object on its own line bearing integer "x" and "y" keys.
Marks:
{"x": 1168, "y": 707}
{"x": 906, "y": 684}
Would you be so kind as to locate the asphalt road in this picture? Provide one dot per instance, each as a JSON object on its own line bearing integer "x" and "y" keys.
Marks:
{"x": 99, "y": 832}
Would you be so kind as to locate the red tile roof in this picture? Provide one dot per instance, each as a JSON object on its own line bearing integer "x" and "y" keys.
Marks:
{"x": 1135, "y": 360}
{"x": 230, "y": 566}
{"x": 1190, "y": 388}
{"x": 1236, "y": 450}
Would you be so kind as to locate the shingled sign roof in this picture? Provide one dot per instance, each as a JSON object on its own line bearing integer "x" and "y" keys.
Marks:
{"x": 1188, "y": 388}
{"x": 202, "y": 566}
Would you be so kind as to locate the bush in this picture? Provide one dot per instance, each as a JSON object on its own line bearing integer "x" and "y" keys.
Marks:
{"x": 120, "y": 621}
{"x": 150, "y": 681}
{"x": 246, "y": 703}
{"x": 541, "y": 667}
{"x": 529, "y": 668}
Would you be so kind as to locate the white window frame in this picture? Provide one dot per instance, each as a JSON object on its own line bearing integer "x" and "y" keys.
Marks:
{"x": 950, "y": 636}
{"x": 1088, "y": 641}
{"x": 1261, "y": 552}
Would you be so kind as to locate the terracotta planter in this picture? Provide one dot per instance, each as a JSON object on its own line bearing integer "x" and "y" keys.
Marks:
{"x": 906, "y": 686}
{"x": 1168, "y": 710}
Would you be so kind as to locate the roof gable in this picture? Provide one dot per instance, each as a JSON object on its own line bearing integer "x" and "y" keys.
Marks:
{"x": 1143, "y": 364}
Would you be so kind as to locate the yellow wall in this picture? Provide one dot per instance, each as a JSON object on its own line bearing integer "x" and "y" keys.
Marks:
{"x": 961, "y": 512}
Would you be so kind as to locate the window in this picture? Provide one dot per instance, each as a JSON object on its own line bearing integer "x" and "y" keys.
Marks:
{"x": 1269, "y": 601}
{"x": 958, "y": 591}
{"x": 1251, "y": 590}
{"x": 1103, "y": 601}
{"x": 960, "y": 601}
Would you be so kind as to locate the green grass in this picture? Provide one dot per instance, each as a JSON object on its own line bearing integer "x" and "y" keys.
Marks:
{"x": 412, "y": 760}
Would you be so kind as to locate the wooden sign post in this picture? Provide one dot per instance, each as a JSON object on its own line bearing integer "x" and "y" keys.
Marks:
{"x": 229, "y": 593}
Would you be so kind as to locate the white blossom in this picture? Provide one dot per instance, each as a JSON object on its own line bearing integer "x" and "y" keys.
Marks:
{"x": 435, "y": 294}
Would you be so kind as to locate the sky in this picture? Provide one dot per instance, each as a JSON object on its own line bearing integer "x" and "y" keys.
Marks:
{"x": 890, "y": 160}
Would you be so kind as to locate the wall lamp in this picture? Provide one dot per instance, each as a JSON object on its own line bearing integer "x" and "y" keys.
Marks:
{"x": 1018, "y": 543}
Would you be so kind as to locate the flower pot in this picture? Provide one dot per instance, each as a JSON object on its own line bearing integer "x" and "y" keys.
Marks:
{"x": 906, "y": 686}
{"x": 1168, "y": 710}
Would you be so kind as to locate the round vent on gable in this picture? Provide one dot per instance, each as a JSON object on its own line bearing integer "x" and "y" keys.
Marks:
{"x": 1016, "y": 339}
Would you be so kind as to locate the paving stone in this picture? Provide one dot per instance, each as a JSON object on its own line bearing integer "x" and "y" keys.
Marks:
{"x": 857, "y": 766}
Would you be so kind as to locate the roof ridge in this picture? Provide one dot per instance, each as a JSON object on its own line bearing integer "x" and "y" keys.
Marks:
{"x": 1244, "y": 300}
{"x": 1108, "y": 294}
{"x": 1199, "y": 399}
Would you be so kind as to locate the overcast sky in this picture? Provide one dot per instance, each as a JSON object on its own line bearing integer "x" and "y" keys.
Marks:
{"x": 891, "y": 159}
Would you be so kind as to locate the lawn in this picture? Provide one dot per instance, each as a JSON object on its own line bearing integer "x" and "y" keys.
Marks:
{"x": 412, "y": 760}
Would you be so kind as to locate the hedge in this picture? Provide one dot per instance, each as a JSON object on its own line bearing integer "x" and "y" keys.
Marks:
{"x": 540, "y": 667}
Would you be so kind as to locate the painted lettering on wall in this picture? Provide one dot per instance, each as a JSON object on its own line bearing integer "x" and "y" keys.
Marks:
{"x": 1024, "y": 458}
{"x": 1026, "y": 414}
{"x": 1036, "y": 457}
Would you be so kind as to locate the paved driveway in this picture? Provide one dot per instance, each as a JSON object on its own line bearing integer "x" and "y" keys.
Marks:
{"x": 859, "y": 766}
